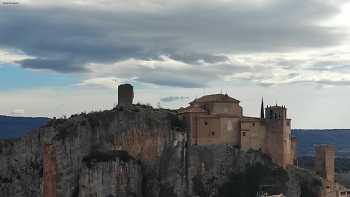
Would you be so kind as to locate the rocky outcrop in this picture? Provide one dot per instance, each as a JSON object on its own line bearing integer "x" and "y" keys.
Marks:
{"x": 134, "y": 151}
{"x": 225, "y": 170}
{"x": 110, "y": 174}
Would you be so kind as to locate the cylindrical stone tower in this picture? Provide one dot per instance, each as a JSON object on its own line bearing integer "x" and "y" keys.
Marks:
{"x": 125, "y": 94}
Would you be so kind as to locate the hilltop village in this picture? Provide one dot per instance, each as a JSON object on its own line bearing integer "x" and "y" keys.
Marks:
{"x": 219, "y": 119}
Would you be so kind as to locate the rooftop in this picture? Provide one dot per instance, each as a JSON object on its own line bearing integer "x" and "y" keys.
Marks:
{"x": 224, "y": 98}
{"x": 192, "y": 109}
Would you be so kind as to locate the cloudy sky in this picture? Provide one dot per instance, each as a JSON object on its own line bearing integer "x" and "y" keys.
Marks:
{"x": 62, "y": 57}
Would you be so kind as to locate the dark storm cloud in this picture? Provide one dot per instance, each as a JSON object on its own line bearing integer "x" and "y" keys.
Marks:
{"x": 60, "y": 65}
{"x": 189, "y": 76}
{"x": 66, "y": 39}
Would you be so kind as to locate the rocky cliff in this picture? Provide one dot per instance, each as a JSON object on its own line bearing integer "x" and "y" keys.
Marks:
{"x": 136, "y": 151}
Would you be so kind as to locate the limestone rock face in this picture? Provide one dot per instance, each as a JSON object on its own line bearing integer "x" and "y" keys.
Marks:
{"x": 134, "y": 151}
{"x": 27, "y": 169}
{"x": 110, "y": 174}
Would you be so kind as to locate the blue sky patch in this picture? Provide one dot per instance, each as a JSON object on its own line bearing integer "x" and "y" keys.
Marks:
{"x": 13, "y": 77}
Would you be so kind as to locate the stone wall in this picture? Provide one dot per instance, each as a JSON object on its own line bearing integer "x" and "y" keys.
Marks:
{"x": 209, "y": 130}
{"x": 226, "y": 108}
{"x": 278, "y": 142}
{"x": 230, "y": 129}
{"x": 324, "y": 167}
{"x": 253, "y": 134}
{"x": 125, "y": 94}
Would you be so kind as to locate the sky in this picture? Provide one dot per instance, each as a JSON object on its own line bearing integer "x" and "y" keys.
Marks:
{"x": 59, "y": 58}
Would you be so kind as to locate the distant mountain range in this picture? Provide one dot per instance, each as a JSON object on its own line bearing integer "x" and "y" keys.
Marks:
{"x": 14, "y": 127}
{"x": 307, "y": 138}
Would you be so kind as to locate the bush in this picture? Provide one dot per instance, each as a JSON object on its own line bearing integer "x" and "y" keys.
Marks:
{"x": 249, "y": 182}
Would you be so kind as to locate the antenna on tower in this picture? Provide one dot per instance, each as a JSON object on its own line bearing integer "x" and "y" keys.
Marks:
{"x": 115, "y": 82}
{"x": 262, "y": 111}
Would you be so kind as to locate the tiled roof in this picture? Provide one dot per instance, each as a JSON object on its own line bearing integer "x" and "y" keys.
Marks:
{"x": 192, "y": 109}
{"x": 215, "y": 98}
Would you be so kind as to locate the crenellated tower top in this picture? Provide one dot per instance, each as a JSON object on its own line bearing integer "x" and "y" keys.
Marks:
{"x": 276, "y": 112}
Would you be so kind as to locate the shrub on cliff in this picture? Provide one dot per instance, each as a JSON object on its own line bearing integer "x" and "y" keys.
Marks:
{"x": 249, "y": 182}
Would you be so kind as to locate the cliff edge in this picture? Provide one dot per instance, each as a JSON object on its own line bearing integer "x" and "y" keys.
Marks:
{"x": 137, "y": 151}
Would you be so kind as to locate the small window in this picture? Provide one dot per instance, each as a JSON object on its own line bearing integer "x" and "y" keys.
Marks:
{"x": 253, "y": 124}
{"x": 212, "y": 133}
{"x": 243, "y": 134}
{"x": 205, "y": 123}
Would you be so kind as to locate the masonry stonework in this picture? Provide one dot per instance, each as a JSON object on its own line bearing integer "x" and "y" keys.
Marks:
{"x": 324, "y": 167}
{"x": 218, "y": 119}
{"x": 125, "y": 94}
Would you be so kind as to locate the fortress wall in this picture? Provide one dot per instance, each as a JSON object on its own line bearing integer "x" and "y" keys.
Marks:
{"x": 49, "y": 171}
{"x": 215, "y": 130}
{"x": 252, "y": 135}
{"x": 230, "y": 129}
{"x": 209, "y": 130}
{"x": 275, "y": 145}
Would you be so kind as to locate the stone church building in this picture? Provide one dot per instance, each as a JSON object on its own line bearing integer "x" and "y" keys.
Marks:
{"x": 219, "y": 119}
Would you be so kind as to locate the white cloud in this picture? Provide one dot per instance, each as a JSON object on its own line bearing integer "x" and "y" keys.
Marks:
{"x": 165, "y": 71}
{"x": 320, "y": 67}
{"x": 107, "y": 82}
{"x": 11, "y": 56}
